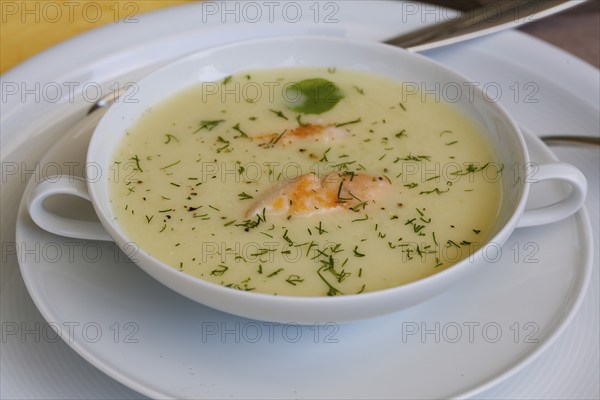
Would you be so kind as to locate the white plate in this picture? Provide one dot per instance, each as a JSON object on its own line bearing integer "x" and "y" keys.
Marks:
{"x": 164, "y": 345}
{"x": 35, "y": 365}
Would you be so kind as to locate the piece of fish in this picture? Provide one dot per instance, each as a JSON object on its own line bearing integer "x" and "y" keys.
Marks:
{"x": 310, "y": 195}
{"x": 314, "y": 132}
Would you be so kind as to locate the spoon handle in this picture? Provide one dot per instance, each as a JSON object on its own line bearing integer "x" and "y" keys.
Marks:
{"x": 491, "y": 18}
{"x": 571, "y": 140}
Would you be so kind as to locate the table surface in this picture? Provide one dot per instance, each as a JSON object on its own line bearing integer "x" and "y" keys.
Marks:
{"x": 27, "y": 28}
{"x": 576, "y": 31}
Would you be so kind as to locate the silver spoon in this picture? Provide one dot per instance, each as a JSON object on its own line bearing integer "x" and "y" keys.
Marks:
{"x": 490, "y": 18}
{"x": 571, "y": 140}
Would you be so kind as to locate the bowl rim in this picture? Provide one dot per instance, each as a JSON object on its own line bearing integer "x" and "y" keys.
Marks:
{"x": 161, "y": 268}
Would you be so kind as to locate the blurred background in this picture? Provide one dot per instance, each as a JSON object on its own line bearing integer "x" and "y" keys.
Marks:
{"x": 22, "y": 34}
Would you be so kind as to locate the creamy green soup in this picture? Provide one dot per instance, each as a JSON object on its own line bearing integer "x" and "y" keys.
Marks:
{"x": 306, "y": 182}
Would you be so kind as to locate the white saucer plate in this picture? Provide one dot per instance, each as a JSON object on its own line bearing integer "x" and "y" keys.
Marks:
{"x": 164, "y": 345}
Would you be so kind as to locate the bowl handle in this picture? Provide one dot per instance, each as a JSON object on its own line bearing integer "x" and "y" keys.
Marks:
{"x": 566, "y": 207}
{"x": 57, "y": 224}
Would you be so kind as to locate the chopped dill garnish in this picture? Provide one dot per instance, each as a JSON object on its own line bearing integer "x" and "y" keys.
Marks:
{"x": 209, "y": 125}
{"x": 361, "y": 219}
{"x": 137, "y": 163}
{"x": 244, "y": 196}
{"x": 237, "y": 128}
{"x": 272, "y": 274}
{"x": 410, "y": 157}
{"x": 451, "y": 243}
{"x": 220, "y": 270}
{"x": 340, "y": 124}
{"x": 169, "y": 137}
{"x": 294, "y": 279}
{"x": 400, "y": 134}
{"x": 279, "y": 114}
{"x": 170, "y": 165}
{"x": 320, "y": 228}
{"x": 436, "y": 190}
{"x": 287, "y": 238}
{"x": 356, "y": 252}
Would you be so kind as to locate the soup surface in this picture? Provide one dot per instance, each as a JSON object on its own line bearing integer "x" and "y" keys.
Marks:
{"x": 307, "y": 182}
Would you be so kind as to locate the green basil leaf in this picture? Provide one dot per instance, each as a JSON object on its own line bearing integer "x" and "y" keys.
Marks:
{"x": 313, "y": 96}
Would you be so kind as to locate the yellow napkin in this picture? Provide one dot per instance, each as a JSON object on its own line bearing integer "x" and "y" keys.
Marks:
{"x": 28, "y": 27}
